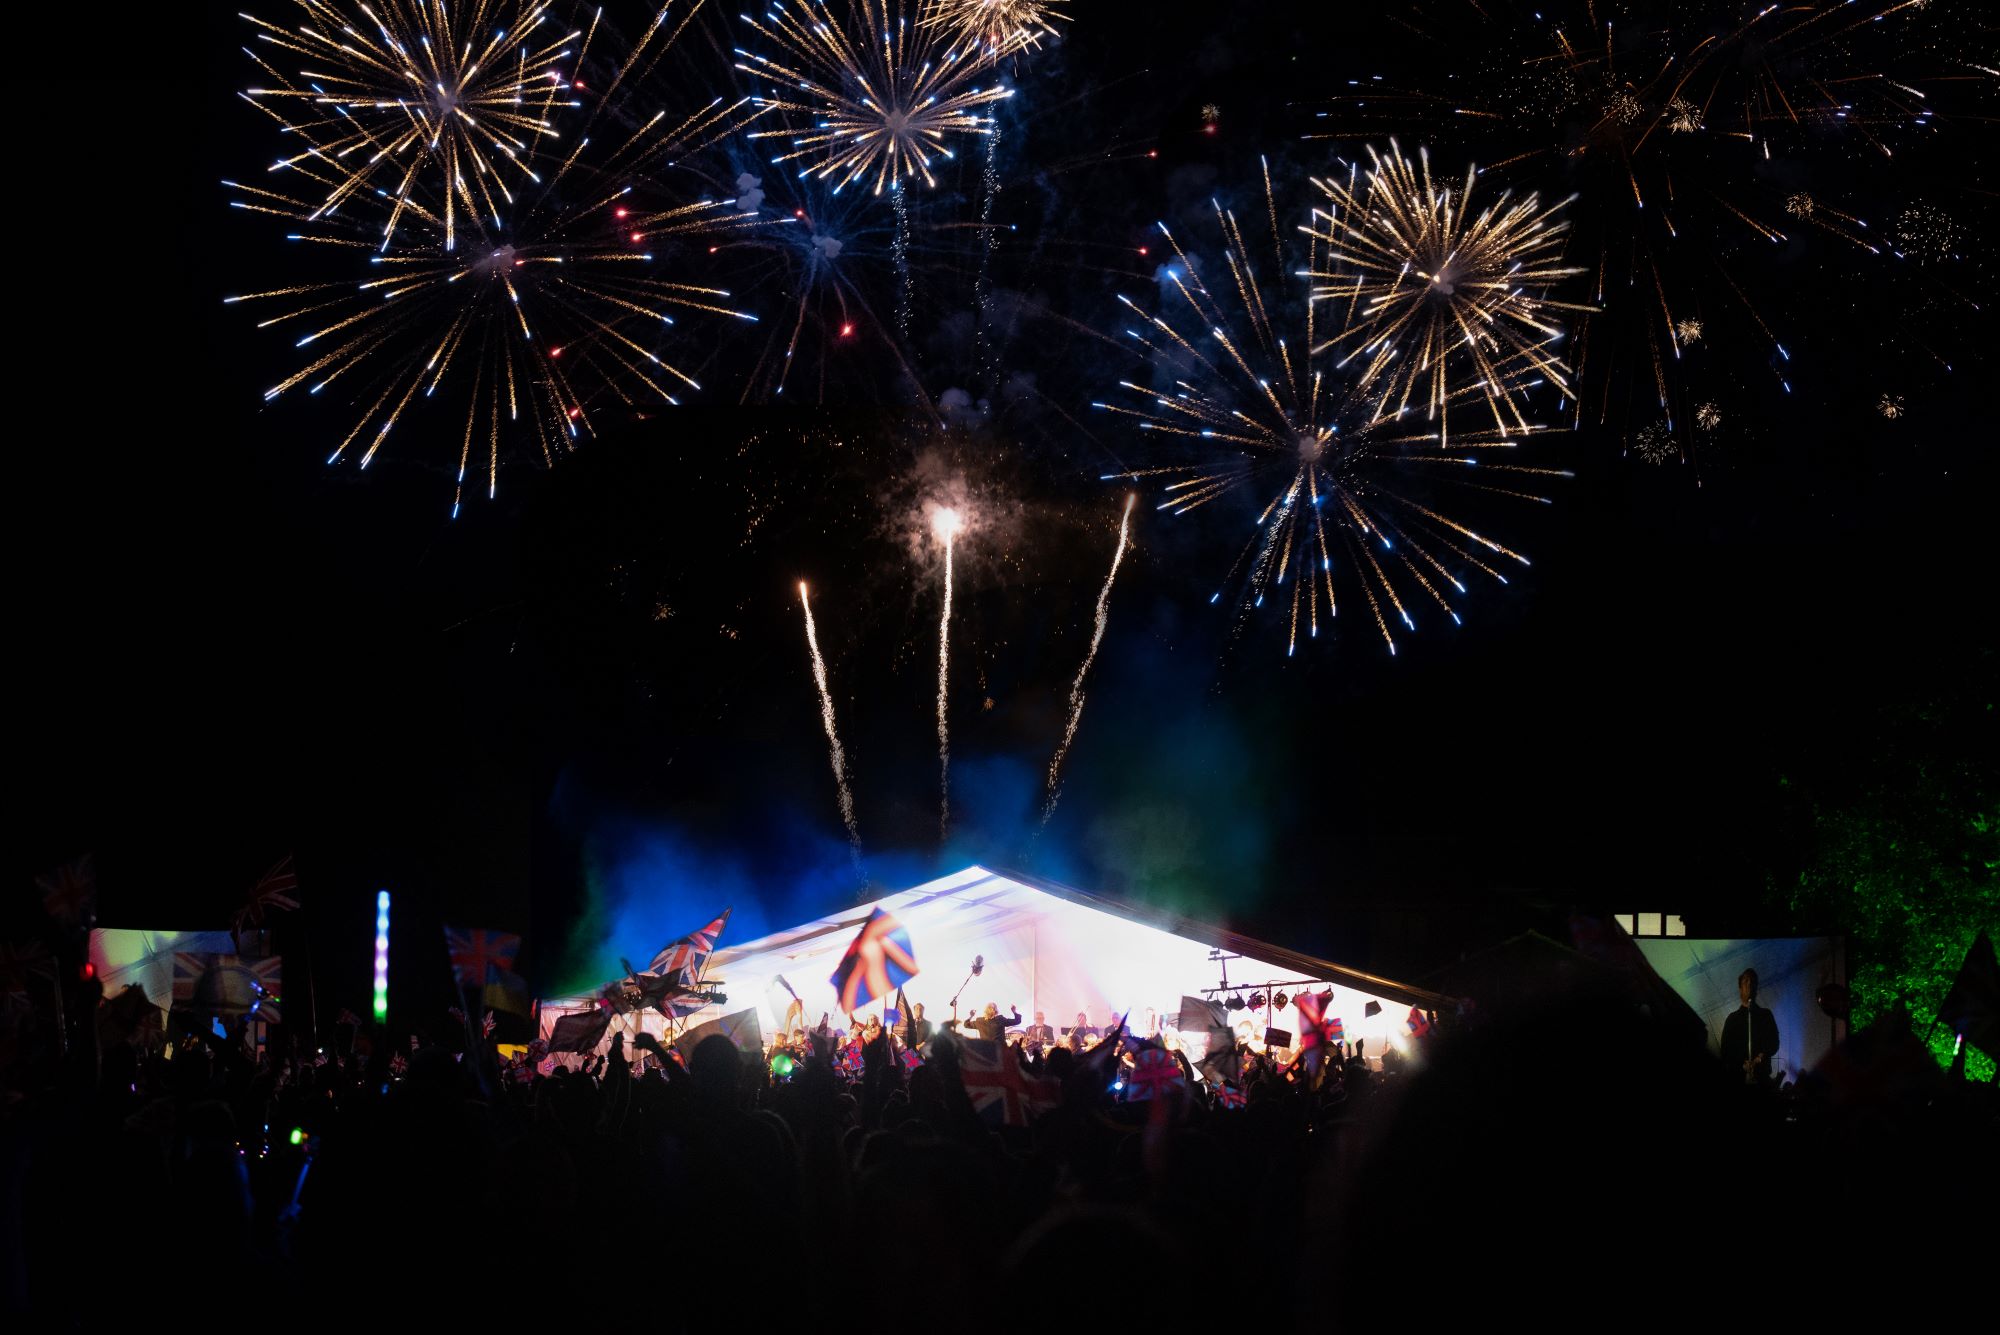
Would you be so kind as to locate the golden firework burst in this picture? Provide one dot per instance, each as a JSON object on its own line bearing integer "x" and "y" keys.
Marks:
{"x": 1432, "y": 294}
{"x": 446, "y": 111}
{"x": 884, "y": 97}
{"x": 1347, "y": 490}
{"x": 996, "y": 26}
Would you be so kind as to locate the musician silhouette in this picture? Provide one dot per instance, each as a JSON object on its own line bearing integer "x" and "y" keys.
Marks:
{"x": 1750, "y": 1034}
{"x": 991, "y": 1025}
{"x": 1041, "y": 1032}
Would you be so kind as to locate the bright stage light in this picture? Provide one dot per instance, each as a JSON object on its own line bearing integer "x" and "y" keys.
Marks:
{"x": 381, "y": 955}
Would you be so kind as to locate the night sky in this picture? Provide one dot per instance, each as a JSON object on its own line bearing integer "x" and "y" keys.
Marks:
{"x": 588, "y": 701}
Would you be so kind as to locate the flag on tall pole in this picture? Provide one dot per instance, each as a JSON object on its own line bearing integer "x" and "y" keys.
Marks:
{"x": 69, "y": 894}
{"x": 474, "y": 950}
{"x": 879, "y": 960}
{"x": 687, "y": 954}
{"x": 505, "y": 990}
{"x": 275, "y": 889}
{"x": 785, "y": 1005}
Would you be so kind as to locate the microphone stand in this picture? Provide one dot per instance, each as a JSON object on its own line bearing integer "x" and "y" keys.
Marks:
{"x": 975, "y": 972}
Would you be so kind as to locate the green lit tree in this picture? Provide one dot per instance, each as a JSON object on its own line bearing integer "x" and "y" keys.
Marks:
{"x": 1901, "y": 831}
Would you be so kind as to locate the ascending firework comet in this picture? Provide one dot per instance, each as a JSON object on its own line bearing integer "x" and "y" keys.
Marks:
{"x": 838, "y": 753}
{"x": 946, "y": 524}
{"x": 1352, "y": 486}
{"x": 523, "y": 325}
{"x": 1089, "y": 657}
{"x": 1428, "y": 296}
{"x": 432, "y": 106}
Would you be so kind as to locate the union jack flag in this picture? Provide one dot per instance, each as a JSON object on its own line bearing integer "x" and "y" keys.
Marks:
{"x": 1229, "y": 1096}
{"x": 689, "y": 953}
{"x": 911, "y": 1061}
{"x": 275, "y": 889}
{"x": 1418, "y": 1023}
{"x": 228, "y": 984}
{"x": 1315, "y": 1030}
{"x": 681, "y": 1004}
{"x": 1001, "y": 1092}
{"x": 474, "y": 950}
{"x": 69, "y": 893}
{"x": 879, "y": 960}
{"x": 1155, "y": 1075}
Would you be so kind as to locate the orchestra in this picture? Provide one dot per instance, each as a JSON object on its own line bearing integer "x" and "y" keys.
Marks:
{"x": 1144, "y": 1039}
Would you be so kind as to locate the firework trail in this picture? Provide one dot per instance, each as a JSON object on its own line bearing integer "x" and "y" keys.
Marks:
{"x": 982, "y": 286}
{"x": 838, "y": 752}
{"x": 946, "y": 523}
{"x": 1096, "y": 638}
{"x": 905, "y": 285}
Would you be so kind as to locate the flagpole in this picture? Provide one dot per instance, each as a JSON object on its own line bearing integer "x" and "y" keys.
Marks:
{"x": 312, "y": 975}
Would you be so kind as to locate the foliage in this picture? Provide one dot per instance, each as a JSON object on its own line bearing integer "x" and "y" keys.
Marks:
{"x": 1903, "y": 845}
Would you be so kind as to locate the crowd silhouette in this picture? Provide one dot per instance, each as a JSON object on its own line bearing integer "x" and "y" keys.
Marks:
{"x": 1575, "y": 1163}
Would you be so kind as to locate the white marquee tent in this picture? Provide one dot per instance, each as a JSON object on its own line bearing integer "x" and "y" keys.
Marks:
{"x": 1049, "y": 948}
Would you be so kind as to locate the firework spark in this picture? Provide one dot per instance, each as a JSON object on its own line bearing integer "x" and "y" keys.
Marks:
{"x": 409, "y": 100}
{"x": 946, "y": 524}
{"x": 1655, "y": 444}
{"x": 997, "y": 27}
{"x": 1927, "y": 234}
{"x": 834, "y": 748}
{"x": 883, "y": 97}
{"x": 1708, "y": 416}
{"x": 1354, "y": 489}
{"x": 1089, "y": 657}
{"x": 827, "y": 252}
{"x": 1675, "y": 129}
{"x": 525, "y": 315}
{"x": 522, "y": 328}
{"x": 1427, "y": 289}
